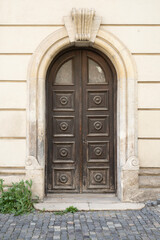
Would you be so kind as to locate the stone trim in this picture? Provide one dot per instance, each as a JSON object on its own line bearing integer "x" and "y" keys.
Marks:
{"x": 126, "y": 108}
{"x": 82, "y": 26}
{"x": 83, "y": 19}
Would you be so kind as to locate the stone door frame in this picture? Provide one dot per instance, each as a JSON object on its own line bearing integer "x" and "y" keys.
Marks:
{"x": 116, "y": 51}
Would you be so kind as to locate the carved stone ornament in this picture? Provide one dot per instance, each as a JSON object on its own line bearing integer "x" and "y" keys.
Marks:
{"x": 32, "y": 163}
{"x": 132, "y": 164}
{"x": 83, "y": 19}
{"x": 82, "y": 26}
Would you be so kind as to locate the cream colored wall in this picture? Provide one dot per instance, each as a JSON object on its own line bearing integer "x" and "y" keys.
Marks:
{"x": 51, "y": 11}
{"x": 24, "y": 24}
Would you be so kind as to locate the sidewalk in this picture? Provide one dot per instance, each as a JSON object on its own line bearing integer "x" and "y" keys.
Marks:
{"x": 97, "y": 225}
{"x": 86, "y": 202}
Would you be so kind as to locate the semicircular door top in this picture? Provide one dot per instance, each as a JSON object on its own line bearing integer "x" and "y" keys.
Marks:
{"x": 81, "y": 123}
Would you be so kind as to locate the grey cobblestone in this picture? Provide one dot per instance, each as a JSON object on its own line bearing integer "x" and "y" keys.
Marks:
{"x": 101, "y": 225}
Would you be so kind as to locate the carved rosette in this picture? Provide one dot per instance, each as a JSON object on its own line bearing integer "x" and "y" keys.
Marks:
{"x": 63, "y": 126}
{"x": 98, "y": 151}
{"x": 97, "y": 100}
{"x": 63, "y": 152}
{"x": 98, "y": 177}
{"x": 63, "y": 178}
{"x": 98, "y": 125}
{"x": 63, "y": 100}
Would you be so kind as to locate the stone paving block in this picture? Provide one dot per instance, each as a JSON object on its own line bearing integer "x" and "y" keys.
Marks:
{"x": 92, "y": 225}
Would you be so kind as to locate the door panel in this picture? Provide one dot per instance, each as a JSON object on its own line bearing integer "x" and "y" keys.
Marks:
{"x": 62, "y": 130}
{"x": 81, "y": 124}
{"x": 97, "y": 100}
{"x": 63, "y": 100}
{"x": 98, "y": 118}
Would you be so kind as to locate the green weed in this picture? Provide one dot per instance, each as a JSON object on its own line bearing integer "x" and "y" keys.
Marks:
{"x": 17, "y": 199}
{"x": 70, "y": 209}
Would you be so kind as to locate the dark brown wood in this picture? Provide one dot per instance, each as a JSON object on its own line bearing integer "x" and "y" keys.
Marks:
{"x": 81, "y": 123}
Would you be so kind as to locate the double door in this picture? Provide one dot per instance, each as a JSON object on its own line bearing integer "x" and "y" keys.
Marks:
{"x": 81, "y": 126}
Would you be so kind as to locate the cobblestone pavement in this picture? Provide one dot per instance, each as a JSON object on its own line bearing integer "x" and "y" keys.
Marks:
{"x": 96, "y": 225}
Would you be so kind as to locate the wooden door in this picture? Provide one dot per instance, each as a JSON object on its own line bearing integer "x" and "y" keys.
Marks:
{"x": 81, "y": 123}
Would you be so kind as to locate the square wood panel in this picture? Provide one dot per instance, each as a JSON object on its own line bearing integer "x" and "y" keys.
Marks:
{"x": 97, "y": 100}
{"x": 63, "y": 126}
{"x": 98, "y": 125}
{"x": 63, "y": 152}
{"x": 98, "y": 152}
{"x": 63, "y": 100}
{"x": 63, "y": 179}
{"x": 98, "y": 177}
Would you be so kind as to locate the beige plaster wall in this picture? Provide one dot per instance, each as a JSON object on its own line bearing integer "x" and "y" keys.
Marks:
{"x": 24, "y": 24}
{"x": 25, "y": 39}
{"x": 51, "y": 12}
{"x": 14, "y": 67}
{"x": 12, "y": 152}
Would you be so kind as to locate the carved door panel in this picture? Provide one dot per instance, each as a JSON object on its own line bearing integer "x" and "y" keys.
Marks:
{"x": 98, "y": 124}
{"x": 80, "y": 123}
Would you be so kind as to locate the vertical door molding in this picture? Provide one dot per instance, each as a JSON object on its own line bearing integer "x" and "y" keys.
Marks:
{"x": 127, "y": 161}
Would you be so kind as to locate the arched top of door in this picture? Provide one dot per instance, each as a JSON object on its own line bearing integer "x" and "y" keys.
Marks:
{"x": 96, "y": 60}
{"x": 73, "y": 34}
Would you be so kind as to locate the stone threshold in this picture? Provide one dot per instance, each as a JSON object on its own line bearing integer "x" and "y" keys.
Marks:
{"x": 85, "y": 202}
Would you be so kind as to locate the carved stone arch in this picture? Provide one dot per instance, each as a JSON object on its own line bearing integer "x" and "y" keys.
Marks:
{"x": 127, "y": 162}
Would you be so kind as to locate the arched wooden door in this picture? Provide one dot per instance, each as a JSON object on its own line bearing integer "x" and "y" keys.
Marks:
{"x": 81, "y": 123}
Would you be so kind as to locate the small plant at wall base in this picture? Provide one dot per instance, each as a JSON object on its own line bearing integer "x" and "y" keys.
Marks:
{"x": 17, "y": 199}
{"x": 70, "y": 209}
